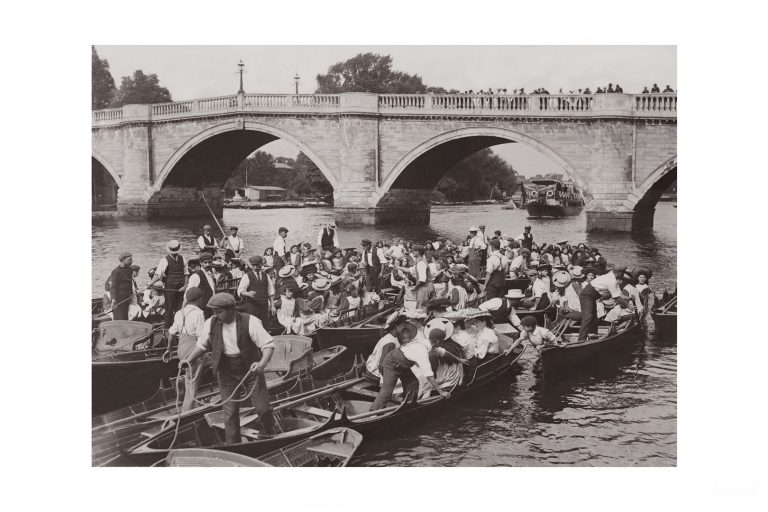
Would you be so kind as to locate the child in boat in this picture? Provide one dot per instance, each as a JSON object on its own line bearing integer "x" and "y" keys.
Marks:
{"x": 539, "y": 337}
{"x": 287, "y": 312}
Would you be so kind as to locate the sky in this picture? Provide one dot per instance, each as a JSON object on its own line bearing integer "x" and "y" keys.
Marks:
{"x": 204, "y": 71}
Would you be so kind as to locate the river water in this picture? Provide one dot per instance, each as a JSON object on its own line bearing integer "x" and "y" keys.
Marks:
{"x": 624, "y": 416}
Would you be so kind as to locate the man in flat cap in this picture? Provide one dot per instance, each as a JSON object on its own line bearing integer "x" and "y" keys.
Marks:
{"x": 495, "y": 276}
{"x": 121, "y": 287}
{"x": 239, "y": 345}
{"x": 234, "y": 245}
{"x": 280, "y": 250}
{"x": 371, "y": 265}
{"x": 608, "y": 283}
{"x": 173, "y": 271}
{"x": 258, "y": 289}
{"x": 207, "y": 242}
{"x": 203, "y": 280}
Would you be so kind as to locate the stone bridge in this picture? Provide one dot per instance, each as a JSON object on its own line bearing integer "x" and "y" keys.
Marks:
{"x": 384, "y": 154}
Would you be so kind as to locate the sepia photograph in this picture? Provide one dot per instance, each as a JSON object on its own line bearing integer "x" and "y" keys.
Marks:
{"x": 368, "y": 256}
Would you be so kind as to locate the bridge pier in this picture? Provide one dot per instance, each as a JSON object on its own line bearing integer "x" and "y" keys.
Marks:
{"x": 600, "y": 220}
{"x": 397, "y": 206}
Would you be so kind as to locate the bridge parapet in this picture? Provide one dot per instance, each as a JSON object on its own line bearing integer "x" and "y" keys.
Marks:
{"x": 486, "y": 105}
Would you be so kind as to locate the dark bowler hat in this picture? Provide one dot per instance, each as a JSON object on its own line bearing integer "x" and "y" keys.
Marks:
{"x": 366, "y": 241}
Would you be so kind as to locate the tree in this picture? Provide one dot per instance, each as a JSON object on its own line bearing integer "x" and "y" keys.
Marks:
{"x": 140, "y": 89}
{"x": 477, "y": 175}
{"x": 368, "y": 72}
{"x": 102, "y": 83}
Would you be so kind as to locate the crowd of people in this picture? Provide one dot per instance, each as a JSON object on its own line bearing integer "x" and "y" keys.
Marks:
{"x": 304, "y": 287}
{"x": 610, "y": 88}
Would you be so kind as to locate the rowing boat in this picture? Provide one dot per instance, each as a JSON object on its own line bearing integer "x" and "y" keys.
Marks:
{"x": 611, "y": 340}
{"x": 114, "y": 431}
{"x": 665, "y": 319}
{"x": 359, "y": 338}
{"x": 116, "y": 336}
{"x": 125, "y": 378}
{"x": 333, "y": 448}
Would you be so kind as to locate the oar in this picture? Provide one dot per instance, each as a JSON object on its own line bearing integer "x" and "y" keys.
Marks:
{"x": 214, "y": 216}
{"x": 111, "y": 310}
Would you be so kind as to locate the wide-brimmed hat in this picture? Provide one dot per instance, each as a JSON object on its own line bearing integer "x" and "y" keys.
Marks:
{"x": 286, "y": 271}
{"x": 561, "y": 279}
{"x": 577, "y": 272}
{"x": 443, "y": 324}
{"x": 473, "y": 228}
{"x": 335, "y": 280}
{"x": 174, "y": 246}
{"x": 219, "y": 264}
{"x": 322, "y": 284}
{"x": 491, "y": 305}
{"x": 641, "y": 270}
{"x": 515, "y": 294}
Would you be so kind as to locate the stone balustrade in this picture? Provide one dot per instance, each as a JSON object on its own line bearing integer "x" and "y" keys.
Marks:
{"x": 539, "y": 105}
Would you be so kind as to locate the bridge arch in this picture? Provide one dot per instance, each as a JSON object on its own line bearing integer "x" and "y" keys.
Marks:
{"x": 221, "y": 130}
{"x": 484, "y": 137}
{"x": 647, "y": 194}
{"x": 106, "y": 165}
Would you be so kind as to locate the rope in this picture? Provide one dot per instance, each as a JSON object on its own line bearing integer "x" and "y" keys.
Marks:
{"x": 231, "y": 398}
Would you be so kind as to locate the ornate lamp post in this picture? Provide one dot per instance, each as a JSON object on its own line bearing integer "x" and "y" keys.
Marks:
{"x": 241, "y": 66}
{"x": 296, "y": 82}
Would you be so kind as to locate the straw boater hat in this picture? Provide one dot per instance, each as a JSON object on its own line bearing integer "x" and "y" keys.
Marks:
{"x": 532, "y": 273}
{"x": 286, "y": 271}
{"x": 577, "y": 272}
{"x": 322, "y": 284}
{"x": 472, "y": 229}
{"x": 219, "y": 264}
{"x": 491, "y": 305}
{"x": 443, "y": 324}
{"x": 561, "y": 279}
{"x": 515, "y": 294}
{"x": 174, "y": 246}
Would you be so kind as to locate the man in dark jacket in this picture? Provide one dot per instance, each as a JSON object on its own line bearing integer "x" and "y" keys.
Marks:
{"x": 121, "y": 287}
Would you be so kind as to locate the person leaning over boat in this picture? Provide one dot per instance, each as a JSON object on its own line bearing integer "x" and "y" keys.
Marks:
{"x": 540, "y": 289}
{"x": 414, "y": 350}
{"x": 392, "y": 328}
{"x": 187, "y": 325}
{"x": 238, "y": 344}
{"x": 121, "y": 287}
{"x": 608, "y": 283}
{"x": 172, "y": 270}
{"x": 258, "y": 289}
{"x": 572, "y": 305}
{"x": 494, "y": 278}
{"x": 537, "y": 336}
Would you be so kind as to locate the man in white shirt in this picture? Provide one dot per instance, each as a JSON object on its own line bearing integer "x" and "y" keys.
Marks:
{"x": 240, "y": 351}
{"x": 207, "y": 242}
{"x": 173, "y": 271}
{"x": 203, "y": 280}
{"x": 397, "y": 250}
{"x": 608, "y": 283}
{"x": 414, "y": 350}
{"x": 187, "y": 326}
{"x": 424, "y": 289}
{"x": 258, "y": 290}
{"x": 519, "y": 263}
{"x": 280, "y": 249}
{"x": 539, "y": 337}
{"x": 234, "y": 244}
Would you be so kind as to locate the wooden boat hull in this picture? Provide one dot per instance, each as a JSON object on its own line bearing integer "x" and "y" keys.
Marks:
{"x": 484, "y": 374}
{"x": 359, "y": 338}
{"x": 208, "y": 458}
{"x": 576, "y": 356}
{"x": 123, "y": 379}
{"x": 546, "y": 210}
{"x": 666, "y": 325}
{"x": 332, "y": 448}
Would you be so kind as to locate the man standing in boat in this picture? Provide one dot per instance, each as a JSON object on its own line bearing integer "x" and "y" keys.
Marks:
{"x": 172, "y": 270}
{"x": 121, "y": 287}
{"x": 280, "y": 250}
{"x": 187, "y": 325}
{"x": 608, "y": 283}
{"x": 240, "y": 351}
{"x": 371, "y": 265}
{"x": 203, "y": 279}
{"x": 258, "y": 289}
{"x": 234, "y": 245}
{"x": 328, "y": 237}
{"x": 424, "y": 289}
{"x": 526, "y": 239}
{"x": 207, "y": 242}
{"x": 495, "y": 279}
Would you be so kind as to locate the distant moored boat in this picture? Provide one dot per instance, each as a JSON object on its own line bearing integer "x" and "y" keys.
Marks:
{"x": 552, "y": 198}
